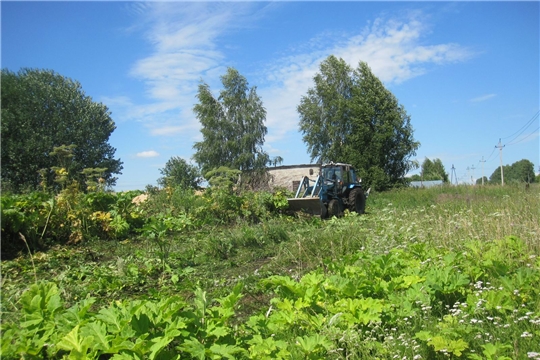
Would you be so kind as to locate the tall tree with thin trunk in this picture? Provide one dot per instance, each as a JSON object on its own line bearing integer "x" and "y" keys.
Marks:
{"x": 233, "y": 127}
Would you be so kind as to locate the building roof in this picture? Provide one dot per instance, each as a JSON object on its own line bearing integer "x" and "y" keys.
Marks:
{"x": 426, "y": 184}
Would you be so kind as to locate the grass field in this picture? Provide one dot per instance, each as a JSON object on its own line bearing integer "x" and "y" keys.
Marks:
{"x": 447, "y": 272}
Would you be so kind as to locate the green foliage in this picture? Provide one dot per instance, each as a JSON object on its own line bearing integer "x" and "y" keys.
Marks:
{"x": 426, "y": 274}
{"x": 519, "y": 172}
{"x": 349, "y": 116}
{"x": 158, "y": 228}
{"x": 433, "y": 170}
{"x": 223, "y": 178}
{"x": 483, "y": 180}
{"x": 70, "y": 216}
{"x": 169, "y": 328}
{"x": 45, "y": 113}
{"x": 233, "y": 127}
{"x": 26, "y": 214}
{"x": 177, "y": 172}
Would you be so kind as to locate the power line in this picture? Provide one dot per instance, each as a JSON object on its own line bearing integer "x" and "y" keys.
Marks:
{"x": 515, "y": 136}
{"x": 524, "y": 138}
{"x": 492, "y": 152}
{"x": 523, "y": 128}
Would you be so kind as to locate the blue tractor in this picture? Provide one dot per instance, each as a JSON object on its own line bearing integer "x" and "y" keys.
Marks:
{"x": 336, "y": 188}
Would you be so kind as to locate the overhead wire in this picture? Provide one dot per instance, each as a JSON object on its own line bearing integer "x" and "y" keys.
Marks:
{"x": 524, "y": 138}
{"x": 517, "y": 134}
{"x": 523, "y": 128}
{"x": 492, "y": 152}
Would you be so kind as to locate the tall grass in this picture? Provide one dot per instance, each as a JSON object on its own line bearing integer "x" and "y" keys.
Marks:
{"x": 447, "y": 216}
{"x": 444, "y": 217}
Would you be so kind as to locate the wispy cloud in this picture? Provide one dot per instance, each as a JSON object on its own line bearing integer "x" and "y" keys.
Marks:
{"x": 483, "y": 98}
{"x": 148, "y": 154}
{"x": 183, "y": 39}
{"x": 393, "y": 49}
{"x": 186, "y": 47}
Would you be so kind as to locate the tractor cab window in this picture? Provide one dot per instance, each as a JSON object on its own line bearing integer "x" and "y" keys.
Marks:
{"x": 332, "y": 173}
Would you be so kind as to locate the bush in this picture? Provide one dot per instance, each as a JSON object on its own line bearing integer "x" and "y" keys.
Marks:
{"x": 25, "y": 214}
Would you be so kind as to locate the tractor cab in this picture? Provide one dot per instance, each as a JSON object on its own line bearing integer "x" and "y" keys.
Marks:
{"x": 336, "y": 188}
{"x": 339, "y": 178}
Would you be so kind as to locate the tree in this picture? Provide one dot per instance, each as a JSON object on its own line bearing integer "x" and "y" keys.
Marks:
{"x": 177, "y": 172}
{"x": 232, "y": 126}
{"x": 482, "y": 180}
{"x": 41, "y": 111}
{"x": 325, "y": 112}
{"x": 519, "y": 172}
{"x": 349, "y": 116}
{"x": 433, "y": 170}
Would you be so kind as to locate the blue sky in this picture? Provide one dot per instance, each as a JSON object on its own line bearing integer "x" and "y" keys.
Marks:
{"x": 466, "y": 72}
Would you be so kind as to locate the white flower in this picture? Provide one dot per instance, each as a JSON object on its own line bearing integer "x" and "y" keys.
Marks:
{"x": 526, "y": 334}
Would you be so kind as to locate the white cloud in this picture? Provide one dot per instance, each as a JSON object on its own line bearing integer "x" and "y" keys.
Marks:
{"x": 483, "y": 98}
{"x": 392, "y": 49}
{"x": 183, "y": 37}
{"x": 186, "y": 48}
{"x": 148, "y": 154}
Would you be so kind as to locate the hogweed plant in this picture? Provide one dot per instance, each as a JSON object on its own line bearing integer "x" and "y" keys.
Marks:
{"x": 435, "y": 274}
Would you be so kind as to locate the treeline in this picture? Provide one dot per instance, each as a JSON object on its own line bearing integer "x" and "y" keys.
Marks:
{"x": 519, "y": 172}
{"x": 51, "y": 131}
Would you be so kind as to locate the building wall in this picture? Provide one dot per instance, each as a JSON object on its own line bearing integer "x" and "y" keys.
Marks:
{"x": 285, "y": 176}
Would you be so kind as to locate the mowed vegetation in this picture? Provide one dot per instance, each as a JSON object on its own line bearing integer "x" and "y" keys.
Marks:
{"x": 449, "y": 272}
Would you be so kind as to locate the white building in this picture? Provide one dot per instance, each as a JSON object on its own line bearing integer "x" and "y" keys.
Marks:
{"x": 289, "y": 176}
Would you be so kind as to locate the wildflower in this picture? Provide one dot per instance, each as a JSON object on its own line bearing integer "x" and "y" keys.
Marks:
{"x": 526, "y": 334}
{"x": 532, "y": 355}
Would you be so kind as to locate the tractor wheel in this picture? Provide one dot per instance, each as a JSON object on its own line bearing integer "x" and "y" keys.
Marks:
{"x": 333, "y": 208}
{"x": 357, "y": 201}
{"x": 324, "y": 212}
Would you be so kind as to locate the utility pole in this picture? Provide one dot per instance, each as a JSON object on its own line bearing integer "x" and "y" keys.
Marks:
{"x": 500, "y": 146}
{"x": 468, "y": 173}
{"x": 472, "y": 177}
{"x": 482, "y": 161}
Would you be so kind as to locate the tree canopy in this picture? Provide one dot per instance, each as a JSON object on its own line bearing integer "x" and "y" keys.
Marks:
{"x": 177, "y": 172}
{"x": 233, "y": 127}
{"x": 42, "y": 111}
{"x": 432, "y": 170}
{"x": 519, "y": 172}
{"x": 349, "y": 116}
